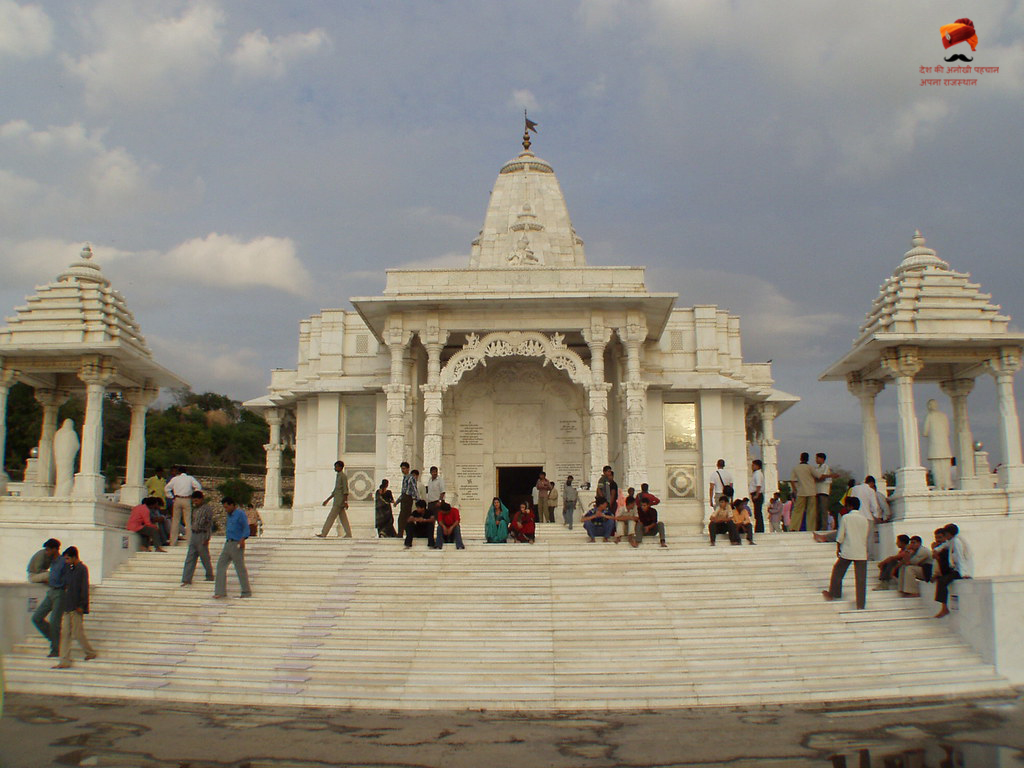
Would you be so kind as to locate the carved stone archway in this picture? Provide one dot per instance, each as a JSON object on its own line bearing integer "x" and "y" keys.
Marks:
{"x": 477, "y": 349}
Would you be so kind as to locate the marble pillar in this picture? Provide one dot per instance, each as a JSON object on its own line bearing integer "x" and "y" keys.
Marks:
{"x": 958, "y": 390}
{"x": 51, "y": 400}
{"x": 597, "y": 338}
{"x": 633, "y": 336}
{"x": 274, "y": 449}
{"x": 1003, "y": 368}
{"x": 397, "y": 392}
{"x": 904, "y": 363}
{"x": 769, "y": 450}
{"x": 7, "y": 376}
{"x": 866, "y": 390}
{"x": 433, "y": 339}
{"x": 139, "y": 398}
{"x": 89, "y": 483}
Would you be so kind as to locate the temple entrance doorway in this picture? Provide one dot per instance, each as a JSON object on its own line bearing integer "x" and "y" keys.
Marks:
{"x": 515, "y": 485}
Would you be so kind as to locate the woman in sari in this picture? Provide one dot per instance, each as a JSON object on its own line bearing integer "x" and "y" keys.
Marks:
{"x": 496, "y": 525}
{"x": 383, "y": 501}
{"x": 524, "y": 524}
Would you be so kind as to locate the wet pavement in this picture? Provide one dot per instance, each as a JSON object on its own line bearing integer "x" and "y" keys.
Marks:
{"x": 51, "y": 731}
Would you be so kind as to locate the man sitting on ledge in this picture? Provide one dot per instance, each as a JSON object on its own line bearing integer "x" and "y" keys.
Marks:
{"x": 448, "y": 528}
{"x": 420, "y": 525}
{"x": 961, "y": 566}
{"x": 919, "y": 559}
{"x": 599, "y": 521}
{"x": 139, "y": 522}
{"x": 721, "y": 521}
{"x": 889, "y": 568}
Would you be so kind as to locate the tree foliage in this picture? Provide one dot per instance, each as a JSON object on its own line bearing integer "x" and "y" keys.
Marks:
{"x": 207, "y": 429}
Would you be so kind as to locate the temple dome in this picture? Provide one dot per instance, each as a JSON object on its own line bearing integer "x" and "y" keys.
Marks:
{"x": 527, "y": 222}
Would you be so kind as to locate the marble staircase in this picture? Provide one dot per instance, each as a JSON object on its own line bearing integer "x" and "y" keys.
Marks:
{"x": 558, "y": 625}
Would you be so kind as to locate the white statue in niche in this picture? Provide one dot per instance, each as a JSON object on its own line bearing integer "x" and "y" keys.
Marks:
{"x": 936, "y": 429}
{"x": 65, "y": 448}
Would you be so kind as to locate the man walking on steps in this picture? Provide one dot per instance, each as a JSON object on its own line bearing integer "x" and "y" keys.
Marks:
{"x": 409, "y": 493}
{"x": 237, "y": 531}
{"x": 52, "y": 602}
{"x": 340, "y": 505}
{"x": 199, "y": 541}
{"x": 76, "y": 605}
{"x": 852, "y": 539}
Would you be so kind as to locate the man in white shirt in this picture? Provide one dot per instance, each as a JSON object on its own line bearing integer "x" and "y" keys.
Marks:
{"x": 961, "y": 566}
{"x": 852, "y": 539}
{"x": 756, "y": 488}
{"x": 180, "y": 488}
{"x": 435, "y": 490}
{"x": 823, "y": 476}
{"x": 720, "y": 478}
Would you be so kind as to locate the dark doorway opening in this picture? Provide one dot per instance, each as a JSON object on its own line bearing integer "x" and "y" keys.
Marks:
{"x": 515, "y": 485}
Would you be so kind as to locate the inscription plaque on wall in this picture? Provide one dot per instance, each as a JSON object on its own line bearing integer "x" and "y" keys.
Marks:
{"x": 468, "y": 482}
{"x": 471, "y": 435}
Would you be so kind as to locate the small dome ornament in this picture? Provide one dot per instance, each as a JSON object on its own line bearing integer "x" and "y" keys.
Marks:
{"x": 919, "y": 257}
{"x": 86, "y": 251}
{"x": 84, "y": 269}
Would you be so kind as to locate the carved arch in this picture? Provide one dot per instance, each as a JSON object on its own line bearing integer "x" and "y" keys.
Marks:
{"x": 477, "y": 349}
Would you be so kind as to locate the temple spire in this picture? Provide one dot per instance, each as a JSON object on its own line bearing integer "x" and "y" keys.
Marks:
{"x": 530, "y": 126}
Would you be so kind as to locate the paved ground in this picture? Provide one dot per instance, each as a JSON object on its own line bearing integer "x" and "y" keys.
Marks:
{"x": 49, "y": 731}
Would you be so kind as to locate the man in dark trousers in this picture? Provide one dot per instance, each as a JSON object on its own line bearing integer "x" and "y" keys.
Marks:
{"x": 420, "y": 525}
{"x": 852, "y": 539}
{"x": 52, "y": 602}
{"x": 236, "y": 532}
{"x": 409, "y": 492}
{"x": 76, "y": 605}
{"x": 199, "y": 540}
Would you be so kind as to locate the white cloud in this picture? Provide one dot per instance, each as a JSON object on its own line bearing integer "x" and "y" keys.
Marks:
{"x": 211, "y": 366}
{"x": 226, "y": 261}
{"x": 25, "y": 30}
{"x": 524, "y": 99}
{"x": 258, "y": 56}
{"x": 71, "y": 169}
{"x": 219, "y": 261}
{"x": 145, "y": 58}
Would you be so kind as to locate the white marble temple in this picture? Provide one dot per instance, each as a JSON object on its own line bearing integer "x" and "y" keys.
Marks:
{"x": 528, "y": 357}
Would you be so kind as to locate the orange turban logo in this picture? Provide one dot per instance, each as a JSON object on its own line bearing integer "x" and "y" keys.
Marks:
{"x": 962, "y": 30}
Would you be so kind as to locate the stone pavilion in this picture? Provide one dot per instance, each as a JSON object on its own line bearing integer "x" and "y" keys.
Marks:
{"x": 526, "y": 359}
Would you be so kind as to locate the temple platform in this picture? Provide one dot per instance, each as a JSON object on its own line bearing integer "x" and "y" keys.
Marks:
{"x": 559, "y": 625}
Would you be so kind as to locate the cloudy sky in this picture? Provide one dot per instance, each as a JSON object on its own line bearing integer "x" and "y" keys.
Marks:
{"x": 240, "y": 165}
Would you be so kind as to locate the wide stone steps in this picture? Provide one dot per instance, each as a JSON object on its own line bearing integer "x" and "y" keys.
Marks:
{"x": 561, "y": 624}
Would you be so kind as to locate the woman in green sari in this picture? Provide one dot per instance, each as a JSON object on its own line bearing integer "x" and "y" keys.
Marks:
{"x": 496, "y": 527}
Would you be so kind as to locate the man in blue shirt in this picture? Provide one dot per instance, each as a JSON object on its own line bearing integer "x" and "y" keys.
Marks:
{"x": 237, "y": 531}
{"x": 52, "y": 603}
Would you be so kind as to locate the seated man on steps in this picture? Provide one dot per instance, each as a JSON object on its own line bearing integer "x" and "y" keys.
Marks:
{"x": 741, "y": 519}
{"x": 420, "y": 525}
{"x": 448, "y": 526}
{"x": 960, "y": 566}
{"x": 647, "y": 523}
{"x": 599, "y": 521}
{"x": 140, "y": 522}
{"x": 721, "y": 521}
{"x": 918, "y": 557}
{"x": 889, "y": 568}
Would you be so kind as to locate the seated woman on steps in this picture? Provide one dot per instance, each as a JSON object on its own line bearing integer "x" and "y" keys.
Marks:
{"x": 524, "y": 525}
{"x": 496, "y": 524}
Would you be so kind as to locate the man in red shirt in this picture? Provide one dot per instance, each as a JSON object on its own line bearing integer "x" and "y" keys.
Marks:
{"x": 140, "y": 522}
{"x": 448, "y": 528}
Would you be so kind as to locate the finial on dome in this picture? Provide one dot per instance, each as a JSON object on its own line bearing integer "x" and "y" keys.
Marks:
{"x": 919, "y": 257}
{"x": 530, "y": 126}
{"x": 86, "y": 251}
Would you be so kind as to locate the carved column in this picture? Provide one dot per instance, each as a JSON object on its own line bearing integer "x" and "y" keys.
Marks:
{"x": 769, "y": 449}
{"x": 866, "y": 390}
{"x": 633, "y": 336}
{"x": 397, "y": 394}
{"x": 904, "y": 364}
{"x": 139, "y": 398}
{"x": 7, "y": 377}
{"x": 958, "y": 390}
{"x": 89, "y": 480}
{"x": 433, "y": 340}
{"x": 1003, "y": 369}
{"x": 597, "y": 338}
{"x": 51, "y": 400}
{"x": 274, "y": 448}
